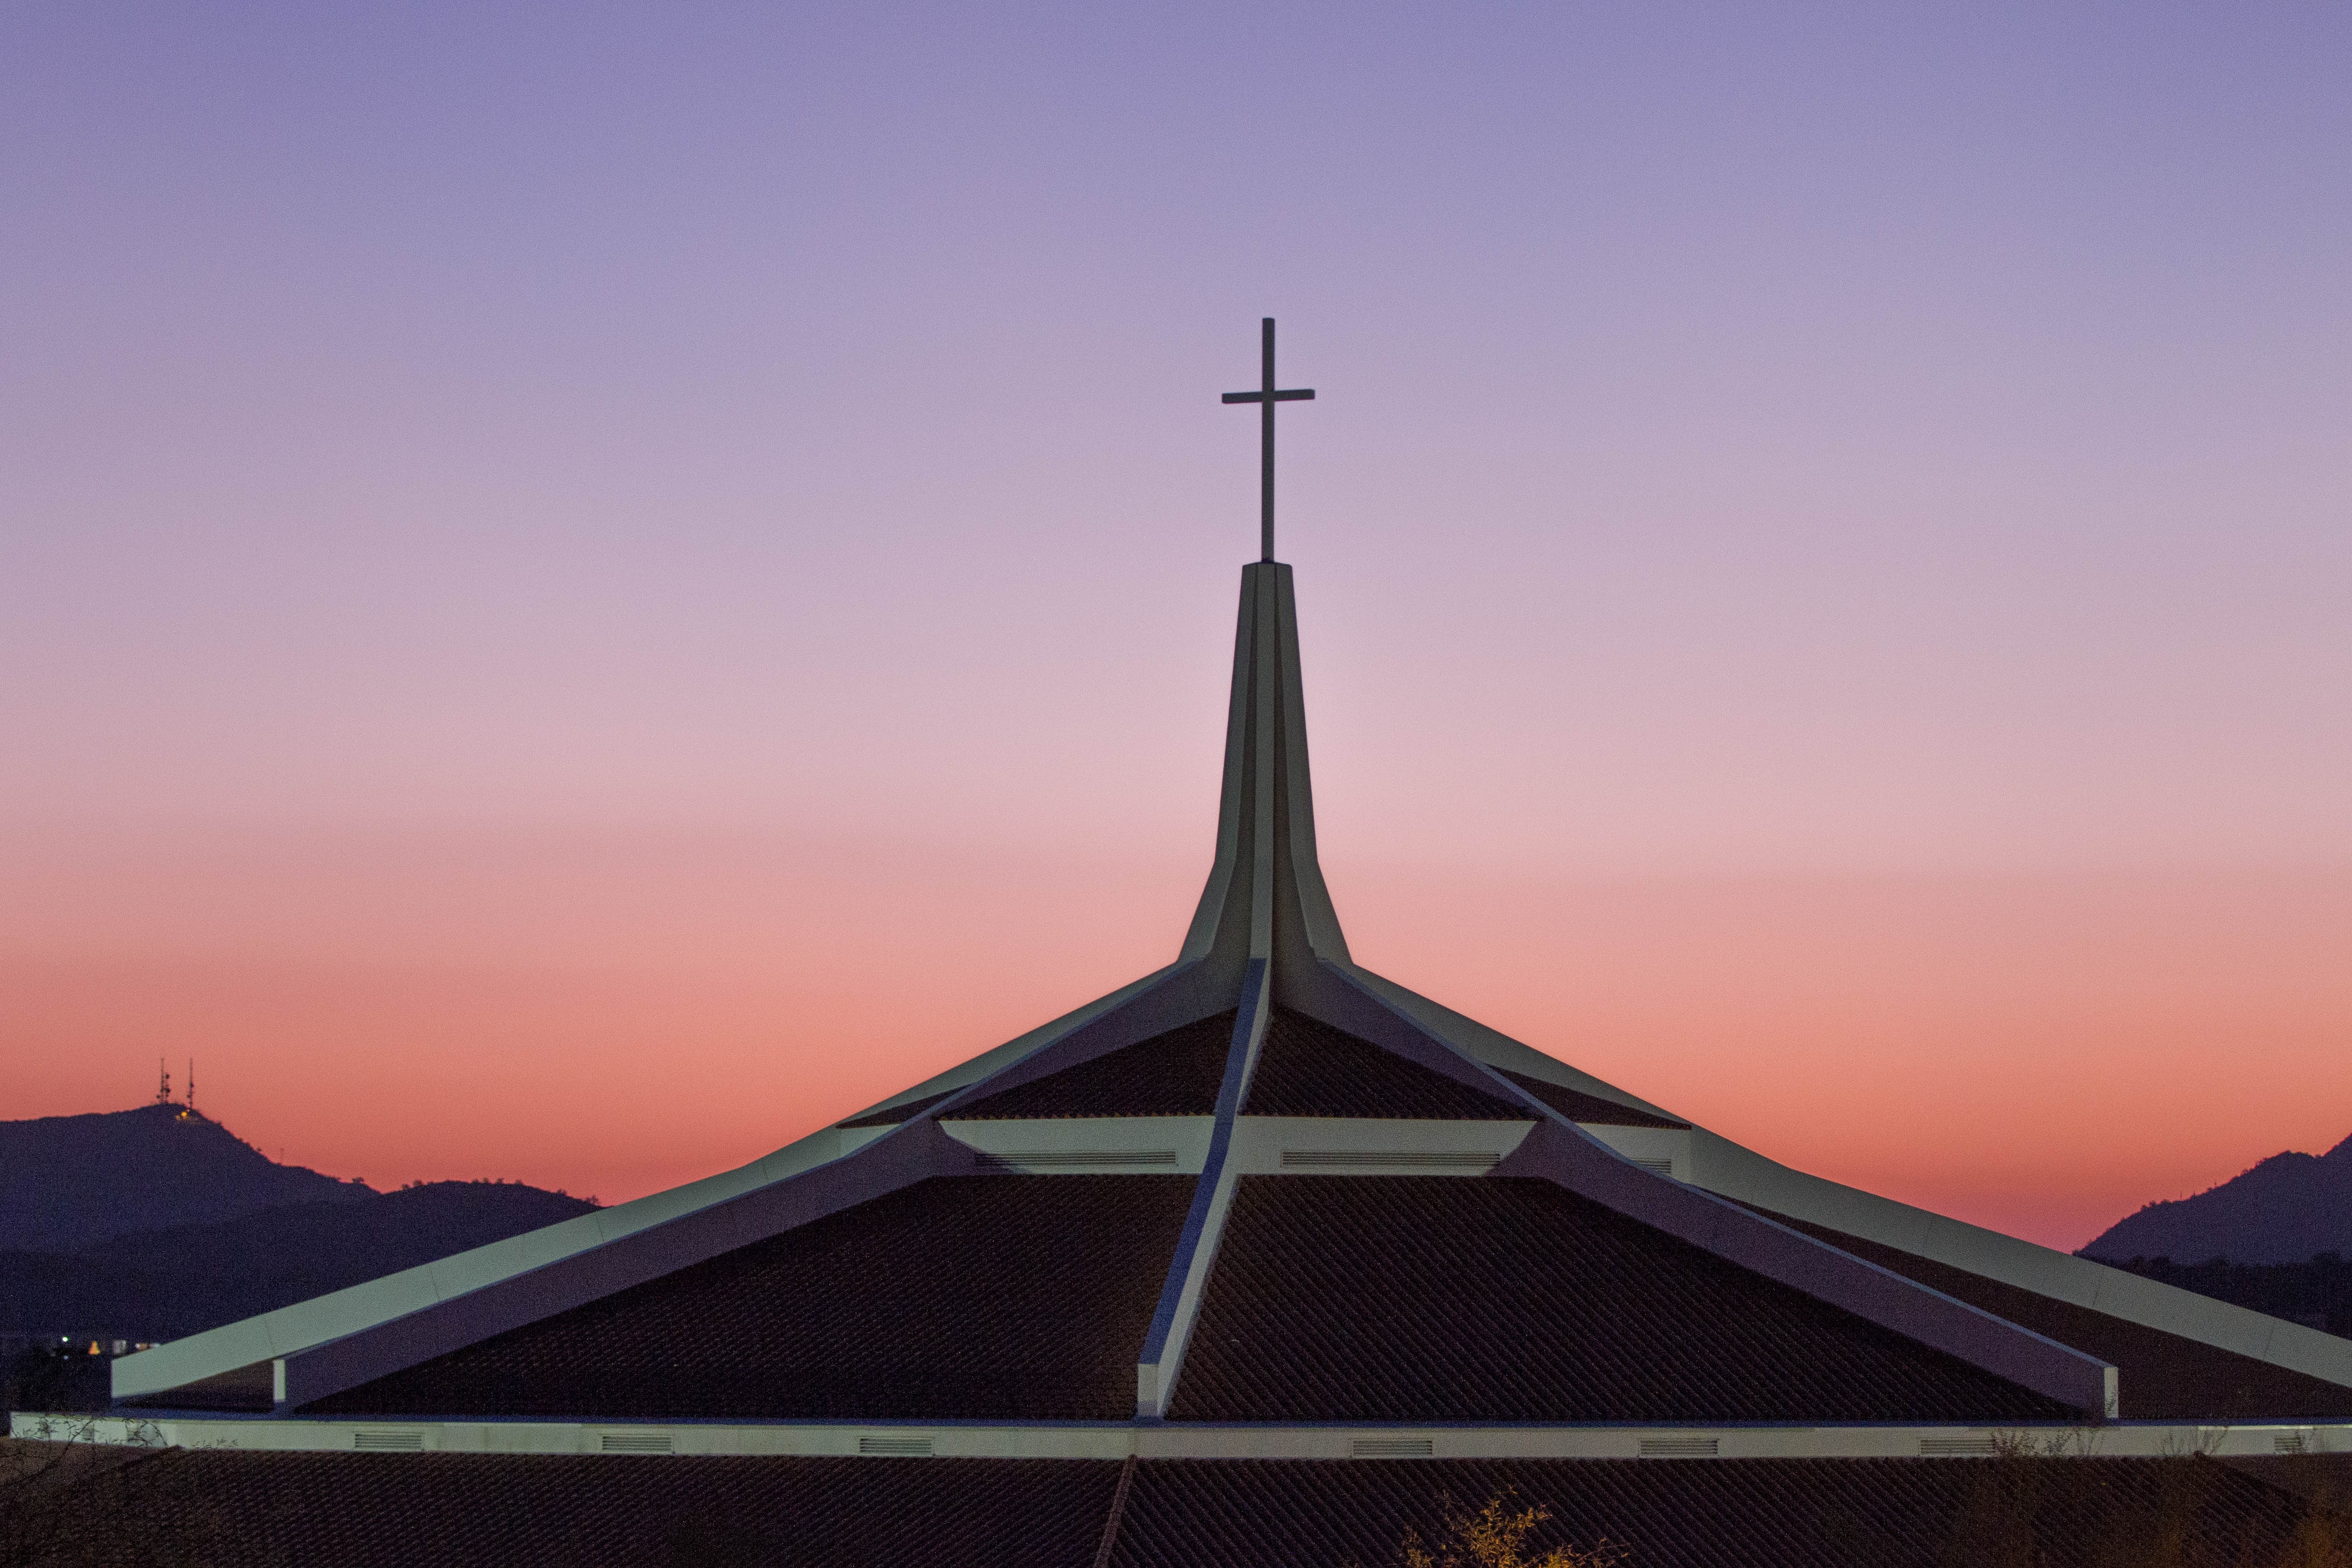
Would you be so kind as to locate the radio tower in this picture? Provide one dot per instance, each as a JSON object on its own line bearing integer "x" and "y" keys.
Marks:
{"x": 192, "y": 1083}
{"x": 164, "y": 1093}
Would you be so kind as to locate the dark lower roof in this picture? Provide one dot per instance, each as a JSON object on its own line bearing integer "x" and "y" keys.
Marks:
{"x": 549, "y": 1511}
{"x": 2161, "y": 1376}
{"x": 514, "y": 1511}
{"x": 1755, "y": 1513}
{"x": 1578, "y": 1106}
{"x": 998, "y": 1296}
{"x": 1511, "y": 1299}
{"x": 1173, "y": 1074}
{"x": 1308, "y": 1068}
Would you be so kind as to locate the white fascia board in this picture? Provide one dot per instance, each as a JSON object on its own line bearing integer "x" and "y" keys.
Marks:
{"x": 1723, "y": 1166}
{"x": 1202, "y": 1440}
{"x": 1735, "y": 1172}
{"x": 1261, "y": 1141}
{"x": 304, "y": 1326}
{"x": 1184, "y": 1138}
{"x": 1012, "y": 1050}
{"x": 1495, "y": 1047}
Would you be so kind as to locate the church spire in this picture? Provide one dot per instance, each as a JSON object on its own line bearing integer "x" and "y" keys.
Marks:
{"x": 1266, "y": 898}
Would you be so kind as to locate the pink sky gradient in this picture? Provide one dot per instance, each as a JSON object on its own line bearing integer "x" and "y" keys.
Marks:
{"x": 585, "y": 590}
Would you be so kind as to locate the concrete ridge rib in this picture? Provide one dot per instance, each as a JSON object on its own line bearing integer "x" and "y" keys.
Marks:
{"x": 1734, "y": 1171}
{"x": 410, "y": 1316}
{"x": 1560, "y": 1151}
{"x": 1160, "y": 1360}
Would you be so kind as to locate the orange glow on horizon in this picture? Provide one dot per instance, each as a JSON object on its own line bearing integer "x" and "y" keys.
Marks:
{"x": 613, "y": 1014}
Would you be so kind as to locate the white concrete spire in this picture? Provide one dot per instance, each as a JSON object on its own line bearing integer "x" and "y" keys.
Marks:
{"x": 1266, "y": 898}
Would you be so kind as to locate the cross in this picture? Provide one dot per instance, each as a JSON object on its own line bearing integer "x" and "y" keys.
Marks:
{"x": 1267, "y": 397}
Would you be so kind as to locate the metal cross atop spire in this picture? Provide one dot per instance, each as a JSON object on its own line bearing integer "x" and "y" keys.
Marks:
{"x": 1266, "y": 396}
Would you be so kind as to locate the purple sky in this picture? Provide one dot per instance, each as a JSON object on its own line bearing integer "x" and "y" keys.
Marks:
{"x": 1752, "y": 442}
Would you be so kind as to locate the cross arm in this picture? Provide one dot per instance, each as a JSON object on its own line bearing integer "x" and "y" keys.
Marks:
{"x": 1278, "y": 397}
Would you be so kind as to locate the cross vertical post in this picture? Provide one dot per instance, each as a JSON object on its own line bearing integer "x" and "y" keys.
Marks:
{"x": 1266, "y": 397}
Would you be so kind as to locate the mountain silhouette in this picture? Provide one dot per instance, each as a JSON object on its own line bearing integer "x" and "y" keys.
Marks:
{"x": 2288, "y": 1209}
{"x": 158, "y": 1223}
{"x": 67, "y": 1182}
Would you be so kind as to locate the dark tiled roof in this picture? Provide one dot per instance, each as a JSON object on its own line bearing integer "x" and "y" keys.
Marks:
{"x": 2161, "y": 1376}
{"x": 1511, "y": 1299}
{"x": 1012, "y": 1297}
{"x": 534, "y": 1511}
{"x": 892, "y": 1115}
{"x": 247, "y": 1389}
{"x": 1306, "y": 1068}
{"x": 1172, "y": 1074}
{"x": 1755, "y": 1513}
{"x": 549, "y": 1511}
{"x": 1578, "y": 1106}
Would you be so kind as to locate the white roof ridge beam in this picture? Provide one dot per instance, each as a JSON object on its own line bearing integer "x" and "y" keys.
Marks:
{"x": 1180, "y": 994}
{"x": 1723, "y": 1166}
{"x": 297, "y": 1328}
{"x": 1740, "y": 1173}
{"x": 1160, "y": 1359}
{"x": 997, "y": 1057}
{"x": 1560, "y": 1151}
{"x": 402, "y": 1338}
{"x": 1495, "y": 1049}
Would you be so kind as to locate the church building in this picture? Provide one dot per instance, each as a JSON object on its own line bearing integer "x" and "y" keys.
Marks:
{"x": 1263, "y": 1257}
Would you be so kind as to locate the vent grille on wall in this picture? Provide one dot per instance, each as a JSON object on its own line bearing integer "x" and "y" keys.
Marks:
{"x": 1658, "y": 1167}
{"x": 636, "y": 1442}
{"x": 902, "y": 1447}
{"x": 1081, "y": 1160}
{"x": 1958, "y": 1447}
{"x": 1389, "y": 1159}
{"x": 2291, "y": 1442}
{"x": 1391, "y": 1449}
{"x": 389, "y": 1441}
{"x": 1679, "y": 1448}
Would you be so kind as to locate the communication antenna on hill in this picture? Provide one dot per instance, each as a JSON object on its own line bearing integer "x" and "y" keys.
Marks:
{"x": 192, "y": 1083}
{"x": 164, "y": 1093}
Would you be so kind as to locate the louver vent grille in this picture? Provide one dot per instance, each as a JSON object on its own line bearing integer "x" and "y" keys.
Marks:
{"x": 903, "y": 1448}
{"x": 1391, "y": 1449}
{"x": 1389, "y": 1159}
{"x": 1678, "y": 1448}
{"x": 2291, "y": 1442}
{"x": 1957, "y": 1448}
{"x": 1082, "y": 1160}
{"x": 409, "y": 1441}
{"x": 636, "y": 1442}
{"x": 1658, "y": 1168}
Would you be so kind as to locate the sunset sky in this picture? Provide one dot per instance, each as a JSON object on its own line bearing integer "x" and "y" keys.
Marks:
{"x": 585, "y": 590}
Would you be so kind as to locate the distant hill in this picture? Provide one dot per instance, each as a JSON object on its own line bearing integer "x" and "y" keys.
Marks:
{"x": 2287, "y": 1209}
{"x": 69, "y": 1181}
{"x": 165, "y": 1284}
{"x": 158, "y": 1223}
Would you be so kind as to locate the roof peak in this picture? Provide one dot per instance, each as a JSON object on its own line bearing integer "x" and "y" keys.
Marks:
{"x": 1266, "y": 898}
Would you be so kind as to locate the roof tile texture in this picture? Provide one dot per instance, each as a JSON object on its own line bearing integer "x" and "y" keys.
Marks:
{"x": 1511, "y": 1299}
{"x": 564, "y": 1511}
{"x": 1755, "y": 1513}
{"x": 1308, "y": 1068}
{"x": 2161, "y": 1376}
{"x": 1578, "y": 1106}
{"x": 1173, "y": 1074}
{"x": 262, "y": 1510}
{"x": 1001, "y": 1296}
